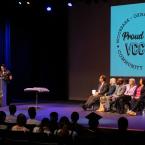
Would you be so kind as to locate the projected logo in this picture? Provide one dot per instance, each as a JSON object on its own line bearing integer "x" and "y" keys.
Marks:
{"x": 128, "y": 42}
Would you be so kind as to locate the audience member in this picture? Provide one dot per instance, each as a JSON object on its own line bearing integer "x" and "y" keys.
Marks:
{"x": 93, "y": 122}
{"x": 11, "y": 118}
{"x": 122, "y": 124}
{"x": 64, "y": 131}
{"x": 74, "y": 123}
{"x": 44, "y": 127}
{"x": 3, "y": 125}
{"x": 21, "y": 122}
{"x": 32, "y": 115}
{"x": 53, "y": 121}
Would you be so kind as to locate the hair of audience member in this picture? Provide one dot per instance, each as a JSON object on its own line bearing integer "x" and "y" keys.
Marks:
{"x": 2, "y": 116}
{"x": 122, "y": 124}
{"x": 12, "y": 109}
{"x": 112, "y": 81}
{"x": 54, "y": 116}
{"x": 45, "y": 123}
{"x": 93, "y": 124}
{"x": 64, "y": 121}
{"x": 75, "y": 117}
{"x": 21, "y": 119}
{"x": 32, "y": 112}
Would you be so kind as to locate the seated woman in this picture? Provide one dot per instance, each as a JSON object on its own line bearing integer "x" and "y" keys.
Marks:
{"x": 104, "y": 100}
{"x": 64, "y": 132}
{"x": 126, "y": 98}
{"x": 138, "y": 100}
{"x": 44, "y": 127}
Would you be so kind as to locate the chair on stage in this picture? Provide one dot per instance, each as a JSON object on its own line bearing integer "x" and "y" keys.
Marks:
{"x": 37, "y": 90}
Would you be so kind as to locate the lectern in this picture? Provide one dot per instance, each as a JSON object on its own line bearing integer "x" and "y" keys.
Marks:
{"x": 3, "y": 92}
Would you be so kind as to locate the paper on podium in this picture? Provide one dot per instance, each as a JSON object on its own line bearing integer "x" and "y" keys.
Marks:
{"x": 36, "y": 89}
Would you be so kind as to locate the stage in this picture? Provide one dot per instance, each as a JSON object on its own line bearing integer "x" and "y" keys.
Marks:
{"x": 109, "y": 120}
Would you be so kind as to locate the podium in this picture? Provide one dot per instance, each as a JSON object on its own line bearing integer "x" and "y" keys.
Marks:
{"x": 3, "y": 92}
{"x": 37, "y": 90}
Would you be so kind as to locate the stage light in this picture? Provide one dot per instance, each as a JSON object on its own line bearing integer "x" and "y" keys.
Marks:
{"x": 48, "y": 8}
{"x": 28, "y": 3}
{"x": 19, "y": 3}
{"x": 69, "y": 4}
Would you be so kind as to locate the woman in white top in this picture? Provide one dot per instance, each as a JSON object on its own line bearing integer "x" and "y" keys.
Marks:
{"x": 21, "y": 122}
{"x": 44, "y": 127}
{"x": 126, "y": 98}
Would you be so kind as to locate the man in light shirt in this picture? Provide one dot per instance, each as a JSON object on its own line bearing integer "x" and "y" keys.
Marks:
{"x": 12, "y": 118}
{"x": 32, "y": 115}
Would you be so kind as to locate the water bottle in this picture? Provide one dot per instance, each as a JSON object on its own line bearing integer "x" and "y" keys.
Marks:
{"x": 143, "y": 112}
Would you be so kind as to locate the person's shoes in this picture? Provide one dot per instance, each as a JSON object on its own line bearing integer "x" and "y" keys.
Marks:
{"x": 100, "y": 110}
{"x": 128, "y": 111}
{"x": 132, "y": 113}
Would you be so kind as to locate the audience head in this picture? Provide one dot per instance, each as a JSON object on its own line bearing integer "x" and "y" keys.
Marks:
{"x": 142, "y": 81}
{"x": 64, "y": 122}
{"x": 21, "y": 119}
{"x": 102, "y": 78}
{"x": 120, "y": 81}
{"x": 93, "y": 120}
{"x": 75, "y": 117}
{"x": 112, "y": 81}
{"x": 32, "y": 112}
{"x": 132, "y": 81}
{"x": 2, "y": 116}
{"x": 45, "y": 122}
{"x": 53, "y": 116}
{"x": 12, "y": 109}
{"x": 122, "y": 124}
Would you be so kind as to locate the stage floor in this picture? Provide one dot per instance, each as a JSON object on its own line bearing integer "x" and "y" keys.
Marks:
{"x": 109, "y": 120}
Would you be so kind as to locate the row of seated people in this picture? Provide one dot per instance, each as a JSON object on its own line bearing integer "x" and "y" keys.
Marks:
{"x": 118, "y": 95}
{"x": 64, "y": 129}
{"x": 66, "y": 132}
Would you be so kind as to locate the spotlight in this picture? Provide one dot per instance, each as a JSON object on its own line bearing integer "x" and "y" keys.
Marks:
{"x": 69, "y": 4}
{"x": 48, "y": 8}
{"x": 28, "y": 3}
{"x": 19, "y": 3}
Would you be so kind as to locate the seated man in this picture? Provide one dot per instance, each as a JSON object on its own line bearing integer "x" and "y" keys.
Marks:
{"x": 105, "y": 100}
{"x": 120, "y": 89}
{"x": 32, "y": 115}
{"x": 101, "y": 90}
{"x": 12, "y": 118}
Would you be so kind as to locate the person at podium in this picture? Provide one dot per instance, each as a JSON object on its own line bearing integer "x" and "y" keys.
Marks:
{"x": 5, "y": 73}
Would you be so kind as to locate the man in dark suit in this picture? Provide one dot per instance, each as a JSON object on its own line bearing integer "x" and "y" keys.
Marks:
{"x": 101, "y": 90}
